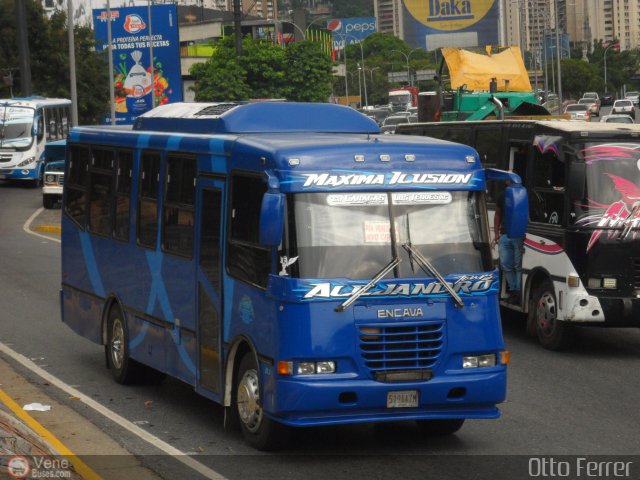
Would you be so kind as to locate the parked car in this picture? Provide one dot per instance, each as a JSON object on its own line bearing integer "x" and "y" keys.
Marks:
{"x": 390, "y": 123}
{"x": 633, "y": 96}
{"x": 578, "y": 111}
{"x": 607, "y": 98}
{"x": 624, "y": 106}
{"x": 593, "y": 104}
{"x": 617, "y": 118}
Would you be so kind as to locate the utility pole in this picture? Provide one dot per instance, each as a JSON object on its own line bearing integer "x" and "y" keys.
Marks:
{"x": 558, "y": 54}
{"x": 72, "y": 64}
{"x": 23, "y": 49}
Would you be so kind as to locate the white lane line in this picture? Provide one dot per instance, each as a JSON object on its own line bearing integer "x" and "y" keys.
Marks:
{"x": 114, "y": 417}
{"x": 27, "y": 226}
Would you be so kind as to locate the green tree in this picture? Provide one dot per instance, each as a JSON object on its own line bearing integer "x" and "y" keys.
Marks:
{"x": 49, "y": 56}
{"x": 578, "y": 77}
{"x": 299, "y": 72}
{"x": 308, "y": 73}
{"x": 381, "y": 56}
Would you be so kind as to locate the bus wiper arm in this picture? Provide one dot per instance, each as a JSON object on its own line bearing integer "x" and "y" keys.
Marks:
{"x": 354, "y": 296}
{"x": 429, "y": 268}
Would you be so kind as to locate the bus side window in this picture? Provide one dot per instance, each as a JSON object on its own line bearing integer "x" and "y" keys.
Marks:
{"x": 147, "y": 220}
{"x": 488, "y": 146}
{"x": 52, "y": 133}
{"x": 179, "y": 205}
{"x": 101, "y": 192}
{"x": 124, "y": 173}
{"x": 546, "y": 204}
{"x": 487, "y": 143}
{"x": 247, "y": 259}
{"x": 75, "y": 204}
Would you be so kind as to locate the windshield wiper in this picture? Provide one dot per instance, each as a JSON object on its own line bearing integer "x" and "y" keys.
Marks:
{"x": 429, "y": 269}
{"x": 357, "y": 294}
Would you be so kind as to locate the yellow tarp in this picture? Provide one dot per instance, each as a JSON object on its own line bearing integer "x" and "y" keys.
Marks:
{"x": 476, "y": 70}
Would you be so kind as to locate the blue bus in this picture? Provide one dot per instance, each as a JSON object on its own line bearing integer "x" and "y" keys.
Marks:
{"x": 289, "y": 262}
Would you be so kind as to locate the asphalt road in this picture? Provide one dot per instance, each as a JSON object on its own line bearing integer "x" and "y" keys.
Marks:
{"x": 580, "y": 402}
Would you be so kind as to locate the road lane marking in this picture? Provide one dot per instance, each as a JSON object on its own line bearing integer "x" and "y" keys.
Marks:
{"x": 114, "y": 417}
{"x": 48, "y": 228}
{"x": 27, "y": 226}
{"x": 80, "y": 467}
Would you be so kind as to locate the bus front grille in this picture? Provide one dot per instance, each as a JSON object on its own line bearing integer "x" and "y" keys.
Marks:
{"x": 635, "y": 262}
{"x": 395, "y": 348}
{"x": 6, "y": 158}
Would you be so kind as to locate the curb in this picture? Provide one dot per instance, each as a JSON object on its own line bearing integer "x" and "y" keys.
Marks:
{"x": 16, "y": 438}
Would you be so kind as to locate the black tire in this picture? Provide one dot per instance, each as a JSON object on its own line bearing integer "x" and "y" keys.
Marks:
{"x": 258, "y": 430}
{"x": 124, "y": 369}
{"x": 48, "y": 201}
{"x": 440, "y": 428}
{"x": 543, "y": 312}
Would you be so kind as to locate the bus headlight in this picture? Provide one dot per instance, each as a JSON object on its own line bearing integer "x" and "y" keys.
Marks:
{"x": 50, "y": 179}
{"x": 26, "y": 162}
{"x": 310, "y": 368}
{"x": 479, "y": 361}
{"x": 610, "y": 283}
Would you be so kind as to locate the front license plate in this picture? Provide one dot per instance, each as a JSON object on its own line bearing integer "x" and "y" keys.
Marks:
{"x": 402, "y": 399}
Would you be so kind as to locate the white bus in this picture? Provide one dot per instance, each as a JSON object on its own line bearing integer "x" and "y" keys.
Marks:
{"x": 26, "y": 125}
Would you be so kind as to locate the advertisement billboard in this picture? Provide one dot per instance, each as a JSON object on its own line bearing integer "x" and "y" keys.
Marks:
{"x": 433, "y": 24}
{"x": 350, "y": 30}
{"x": 132, "y": 46}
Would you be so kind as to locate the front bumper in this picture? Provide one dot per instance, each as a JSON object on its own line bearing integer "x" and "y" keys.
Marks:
{"x": 332, "y": 402}
{"x": 18, "y": 173}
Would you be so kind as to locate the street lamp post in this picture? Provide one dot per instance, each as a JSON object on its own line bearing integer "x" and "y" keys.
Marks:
{"x": 407, "y": 56}
{"x": 344, "y": 46}
{"x": 605, "y": 65}
{"x": 558, "y": 53}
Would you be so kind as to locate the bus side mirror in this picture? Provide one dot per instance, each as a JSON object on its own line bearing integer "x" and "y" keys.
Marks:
{"x": 272, "y": 218}
{"x": 516, "y": 206}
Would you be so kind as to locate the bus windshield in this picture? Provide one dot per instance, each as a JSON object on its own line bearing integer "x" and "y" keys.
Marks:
{"x": 612, "y": 187}
{"x": 15, "y": 126}
{"x": 347, "y": 235}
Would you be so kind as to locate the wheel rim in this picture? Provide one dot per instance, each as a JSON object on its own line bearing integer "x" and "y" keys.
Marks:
{"x": 546, "y": 314}
{"x": 117, "y": 343}
{"x": 248, "y": 401}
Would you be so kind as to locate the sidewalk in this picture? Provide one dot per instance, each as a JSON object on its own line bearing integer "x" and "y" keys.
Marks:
{"x": 59, "y": 438}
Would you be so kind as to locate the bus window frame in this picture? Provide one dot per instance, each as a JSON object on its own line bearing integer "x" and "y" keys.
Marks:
{"x": 140, "y": 198}
{"x": 165, "y": 203}
{"x": 233, "y": 243}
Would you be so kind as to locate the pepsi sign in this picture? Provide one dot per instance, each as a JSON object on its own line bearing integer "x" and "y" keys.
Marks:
{"x": 351, "y": 30}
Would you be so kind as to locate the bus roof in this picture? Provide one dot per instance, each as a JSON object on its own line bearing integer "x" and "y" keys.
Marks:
{"x": 573, "y": 129}
{"x": 34, "y": 101}
{"x": 259, "y": 117}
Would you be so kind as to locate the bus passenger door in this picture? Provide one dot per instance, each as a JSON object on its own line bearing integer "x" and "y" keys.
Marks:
{"x": 209, "y": 296}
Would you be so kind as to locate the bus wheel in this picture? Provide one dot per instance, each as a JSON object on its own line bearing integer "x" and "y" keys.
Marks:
{"x": 552, "y": 333}
{"x": 258, "y": 430}
{"x": 440, "y": 428}
{"x": 124, "y": 369}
